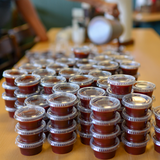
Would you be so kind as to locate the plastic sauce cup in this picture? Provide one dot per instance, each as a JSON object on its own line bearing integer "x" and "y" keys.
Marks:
{"x": 156, "y": 112}
{"x": 81, "y": 52}
{"x": 103, "y": 83}
{"x": 68, "y": 61}
{"x": 156, "y": 144}
{"x": 9, "y": 89}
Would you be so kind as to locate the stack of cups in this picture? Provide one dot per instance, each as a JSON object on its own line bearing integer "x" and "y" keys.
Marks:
{"x": 10, "y": 86}
{"x": 62, "y": 124}
{"x": 85, "y": 95}
{"x": 156, "y": 124}
{"x": 41, "y": 101}
{"x": 30, "y": 128}
{"x": 104, "y": 127}
{"x": 120, "y": 85}
{"x": 28, "y": 85}
{"x": 136, "y": 125}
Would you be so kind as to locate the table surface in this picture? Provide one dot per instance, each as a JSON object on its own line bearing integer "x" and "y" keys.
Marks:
{"x": 146, "y": 50}
{"x": 146, "y": 17}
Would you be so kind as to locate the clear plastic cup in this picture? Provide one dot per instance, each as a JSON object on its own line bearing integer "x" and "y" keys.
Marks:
{"x": 62, "y": 147}
{"x": 9, "y": 90}
{"x": 31, "y": 136}
{"x": 137, "y": 104}
{"x": 136, "y": 136}
{"x": 66, "y": 88}
{"x": 30, "y": 118}
{"x": 103, "y": 83}
{"x": 100, "y": 58}
{"x": 61, "y": 135}
{"x": 156, "y": 112}
{"x": 61, "y": 122}
{"x": 105, "y": 127}
{"x": 11, "y": 111}
{"x": 21, "y": 97}
{"x": 69, "y": 72}
{"x": 37, "y": 100}
{"x": 104, "y": 108}
{"x": 81, "y": 52}
{"x": 121, "y": 84}
{"x": 109, "y": 66}
{"x": 82, "y": 80}
{"x": 28, "y": 84}
{"x": 85, "y": 69}
{"x": 104, "y": 140}
{"x": 81, "y": 62}
{"x": 68, "y": 61}
{"x": 87, "y": 93}
{"x": 56, "y": 67}
{"x": 120, "y": 58}
{"x": 31, "y": 148}
{"x": 62, "y": 104}
{"x": 156, "y": 144}
{"x": 104, "y": 152}
{"x": 43, "y": 62}
{"x": 135, "y": 148}
{"x": 144, "y": 87}
{"x": 49, "y": 81}
{"x": 136, "y": 123}
{"x": 9, "y": 101}
{"x": 157, "y": 131}
{"x": 11, "y": 74}
{"x": 129, "y": 67}
{"x": 29, "y": 68}
{"x": 43, "y": 73}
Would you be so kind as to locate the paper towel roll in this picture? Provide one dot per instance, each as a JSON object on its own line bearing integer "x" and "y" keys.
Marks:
{"x": 125, "y": 8}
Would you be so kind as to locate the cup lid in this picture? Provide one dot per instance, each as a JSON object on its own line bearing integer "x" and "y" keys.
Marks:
{"x": 103, "y": 83}
{"x": 29, "y": 113}
{"x": 13, "y": 73}
{"x": 82, "y": 121}
{"x": 136, "y": 119}
{"x": 135, "y": 145}
{"x": 18, "y": 94}
{"x": 81, "y": 80}
{"x": 104, "y": 103}
{"x": 155, "y": 140}
{"x": 98, "y": 74}
{"x": 50, "y": 81}
{"x": 82, "y": 134}
{"x": 28, "y": 67}
{"x": 83, "y": 49}
{"x": 56, "y": 66}
{"x": 5, "y": 86}
{"x": 10, "y": 109}
{"x": 82, "y": 109}
{"x": 18, "y": 105}
{"x": 30, "y": 132}
{"x": 121, "y": 80}
{"x": 90, "y": 92}
{"x": 85, "y": 69}
{"x": 114, "y": 95}
{"x": 36, "y": 100}
{"x": 69, "y": 72}
{"x": 144, "y": 86}
{"x": 106, "y": 123}
{"x": 43, "y": 62}
{"x": 25, "y": 145}
{"x": 52, "y": 116}
{"x": 67, "y": 61}
{"x": 62, "y": 144}
{"x": 27, "y": 80}
{"x": 110, "y": 65}
{"x": 139, "y": 132}
{"x": 61, "y": 131}
{"x": 136, "y": 100}
{"x": 61, "y": 99}
{"x": 104, "y": 136}
{"x": 100, "y": 58}
{"x": 129, "y": 64}
{"x": 81, "y": 62}
{"x": 120, "y": 58}
{"x": 104, "y": 149}
{"x": 156, "y": 111}
{"x": 5, "y": 97}
{"x": 43, "y": 72}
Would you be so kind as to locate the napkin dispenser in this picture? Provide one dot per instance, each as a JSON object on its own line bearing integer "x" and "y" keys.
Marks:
{"x": 102, "y": 30}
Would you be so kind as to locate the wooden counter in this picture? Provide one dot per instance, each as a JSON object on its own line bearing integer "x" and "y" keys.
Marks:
{"x": 146, "y": 50}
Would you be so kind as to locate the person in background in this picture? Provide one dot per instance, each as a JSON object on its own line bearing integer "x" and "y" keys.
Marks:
{"x": 28, "y": 12}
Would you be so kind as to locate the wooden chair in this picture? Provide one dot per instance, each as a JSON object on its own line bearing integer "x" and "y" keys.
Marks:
{"x": 24, "y": 36}
{"x": 9, "y": 52}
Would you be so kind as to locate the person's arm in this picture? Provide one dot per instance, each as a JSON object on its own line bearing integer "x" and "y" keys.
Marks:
{"x": 27, "y": 10}
{"x": 110, "y": 8}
